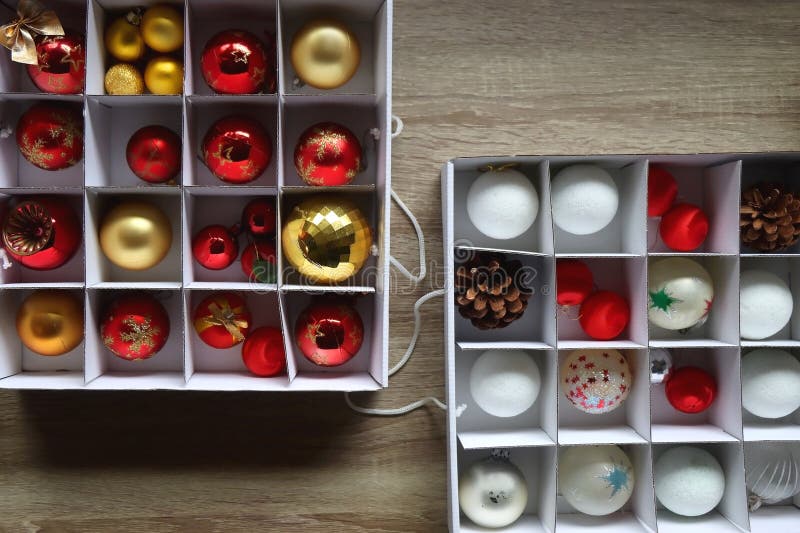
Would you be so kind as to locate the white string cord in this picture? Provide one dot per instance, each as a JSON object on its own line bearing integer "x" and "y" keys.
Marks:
{"x": 420, "y": 239}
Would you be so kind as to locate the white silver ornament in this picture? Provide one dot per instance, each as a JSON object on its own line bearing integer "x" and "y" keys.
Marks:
{"x": 770, "y": 383}
{"x": 680, "y": 293}
{"x": 772, "y": 472}
{"x": 765, "y": 304}
{"x": 689, "y": 481}
{"x": 595, "y": 480}
{"x": 502, "y": 203}
{"x": 492, "y": 492}
{"x": 584, "y": 199}
{"x": 505, "y": 383}
{"x": 660, "y": 365}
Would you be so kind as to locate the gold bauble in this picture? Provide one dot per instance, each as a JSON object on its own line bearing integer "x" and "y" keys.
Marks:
{"x": 124, "y": 41}
{"x": 50, "y": 322}
{"x": 326, "y": 238}
{"x": 135, "y": 235}
{"x": 123, "y": 79}
{"x": 162, "y": 28}
{"x": 325, "y": 53}
{"x": 164, "y": 75}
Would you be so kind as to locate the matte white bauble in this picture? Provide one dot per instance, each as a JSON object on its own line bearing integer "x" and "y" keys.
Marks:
{"x": 680, "y": 293}
{"x": 765, "y": 304}
{"x": 502, "y": 204}
{"x": 770, "y": 383}
{"x": 505, "y": 383}
{"x": 492, "y": 492}
{"x": 584, "y": 199}
{"x": 772, "y": 472}
{"x": 689, "y": 481}
{"x": 595, "y": 480}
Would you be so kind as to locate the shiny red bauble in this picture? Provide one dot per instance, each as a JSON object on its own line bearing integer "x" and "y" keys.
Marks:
{"x": 62, "y": 64}
{"x": 661, "y": 191}
{"x": 237, "y": 149}
{"x": 154, "y": 154}
{"x": 41, "y": 233}
{"x": 135, "y": 326}
{"x": 263, "y": 352}
{"x": 574, "y": 282}
{"x": 329, "y": 332}
{"x": 259, "y": 262}
{"x": 259, "y": 217}
{"x": 604, "y": 315}
{"x": 236, "y": 62}
{"x": 684, "y": 227}
{"x": 215, "y": 247}
{"x": 327, "y": 154}
{"x": 691, "y": 389}
{"x": 222, "y": 320}
{"x": 50, "y": 135}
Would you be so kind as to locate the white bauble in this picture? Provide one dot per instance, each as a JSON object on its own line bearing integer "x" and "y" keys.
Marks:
{"x": 502, "y": 204}
{"x": 770, "y": 383}
{"x": 492, "y": 492}
{"x": 680, "y": 293}
{"x": 504, "y": 383}
{"x": 584, "y": 199}
{"x": 595, "y": 480}
{"x": 772, "y": 472}
{"x": 689, "y": 481}
{"x": 765, "y": 304}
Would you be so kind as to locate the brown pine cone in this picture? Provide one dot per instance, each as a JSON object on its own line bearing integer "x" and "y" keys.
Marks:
{"x": 488, "y": 291}
{"x": 769, "y": 218}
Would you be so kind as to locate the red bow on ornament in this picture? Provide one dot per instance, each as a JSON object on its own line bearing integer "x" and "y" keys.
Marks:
{"x": 34, "y": 19}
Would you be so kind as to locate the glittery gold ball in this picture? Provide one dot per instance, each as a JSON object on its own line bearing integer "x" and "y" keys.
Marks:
{"x": 162, "y": 28}
{"x": 135, "y": 235}
{"x": 325, "y": 53}
{"x": 50, "y": 322}
{"x": 124, "y": 79}
{"x": 164, "y": 75}
{"x": 124, "y": 41}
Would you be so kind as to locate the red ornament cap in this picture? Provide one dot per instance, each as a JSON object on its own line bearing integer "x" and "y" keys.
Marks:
{"x": 154, "y": 154}
{"x": 263, "y": 352}
{"x": 41, "y": 233}
{"x": 662, "y": 189}
{"x": 50, "y": 135}
{"x": 329, "y": 332}
{"x": 135, "y": 327}
{"x": 62, "y": 64}
{"x": 222, "y": 320}
{"x": 215, "y": 247}
{"x": 327, "y": 154}
{"x": 684, "y": 227}
{"x": 259, "y": 262}
{"x": 604, "y": 315}
{"x": 691, "y": 389}
{"x": 237, "y": 149}
{"x": 236, "y": 62}
{"x": 574, "y": 282}
{"x": 259, "y": 217}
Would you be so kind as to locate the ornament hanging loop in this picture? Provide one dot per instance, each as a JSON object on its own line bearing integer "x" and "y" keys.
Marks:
{"x": 492, "y": 167}
{"x": 18, "y": 35}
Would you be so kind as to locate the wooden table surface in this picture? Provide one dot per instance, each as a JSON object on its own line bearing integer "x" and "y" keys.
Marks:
{"x": 470, "y": 78}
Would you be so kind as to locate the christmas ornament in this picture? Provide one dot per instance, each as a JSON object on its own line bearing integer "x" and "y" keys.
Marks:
{"x": 765, "y": 304}
{"x": 492, "y": 492}
{"x": 162, "y": 28}
{"x": 772, "y": 473}
{"x": 62, "y": 64}
{"x": 584, "y": 199}
{"x": 326, "y": 238}
{"x": 263, "y": 352}
{"x": 502, "y": 203}
{"x": 769, "y": 218}
{"x": 164, "y": 75}
{"x": 123, "y": 78}
{"x": 490, "y": 291}
{"x": 574, "y": 282}
{"x": 689, "y": 481}
{"x": 135, "y": 235}
{"x": 691, "y": 389}
{"x": 215, "y": 247}
{"x": 259, "y": 217}
{"x": 236, "y": 62}
{"x": 595, "y": 480}
{"x": 680, "y": 293}
{"x": 325, "y": 54}
{"x": 123, "y": 39}
{"x": 154, "y": 154}
{"x": 684, "y": 227}
{"x": 237, "y": 149}
{"x": 662, "y": 189}
{"x": 50, "y": 322}
{"x": 41, "y": 232}
{"x": 50, "y": 135}
{"x": 329, "y": 332}
{"x": 135, "y": 327}
{"x": 504, "y": 383}
{"x": 259, "y": 262}
{"x": 18, "y": 35}
{"x": 327, "y": 154}
{"x": 770, "y": 383}
{"x": 661, "y": 366}
{"x": 596, "y": 381}
{"x": 222, "y": 320}
{"x": 604, "y": 315}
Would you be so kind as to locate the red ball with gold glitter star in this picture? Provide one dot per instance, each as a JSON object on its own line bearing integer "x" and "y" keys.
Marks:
{"x": 135, "y": 327}
{"x": 327, "y": 154}
{"x": 62, "y": 64}
{"x": 237, "y": 149}
{"x": 237, "y": 62}
{"x": 329, "y": 332}
{"x": 50, "y": 135}
{"x": 596, "y": 381}
{"x": 222, "y": 320}
{"x": 154, "y": 154}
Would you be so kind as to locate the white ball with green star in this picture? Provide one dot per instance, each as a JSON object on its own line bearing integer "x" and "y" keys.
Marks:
{"x": 680, "y": 293}
{"x": 595, "y": 480}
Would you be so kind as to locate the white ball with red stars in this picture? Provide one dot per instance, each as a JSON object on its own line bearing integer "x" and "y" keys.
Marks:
{"x": 596, "y": 381}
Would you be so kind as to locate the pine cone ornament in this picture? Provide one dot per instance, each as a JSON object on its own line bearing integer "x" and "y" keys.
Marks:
{"x": 489, "y": 291}
{"x": 769, "y": 218}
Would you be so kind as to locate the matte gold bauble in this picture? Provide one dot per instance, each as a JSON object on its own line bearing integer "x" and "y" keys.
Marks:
{"x": 326, "y": 238}
{"x": 124, "y": 79}
{"x": 325, "y": 53}
{"x": 123, "y": 39}
{"x": 164, "y": 75}
{"x": 162, "y": 28}
{"x": 50, "y": 322}
{"x": 135, "y": 235}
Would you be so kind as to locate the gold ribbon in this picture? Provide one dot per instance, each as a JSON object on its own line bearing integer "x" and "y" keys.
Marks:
{"x": 34, "y": 19}
{"x": 223, "y": 316}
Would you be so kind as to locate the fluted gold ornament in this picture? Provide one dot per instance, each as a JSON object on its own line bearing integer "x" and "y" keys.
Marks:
{"x": 162, "y": 28}
{"x": 164, "y": 75}
{"x": 326, "y": 238}
{"x": 325, "y": 53}
{"x": 123, "y": 78}
{"x": 50, "y": 322}
{"x": 123, "y": 39}
{"x": 135, "y": 235}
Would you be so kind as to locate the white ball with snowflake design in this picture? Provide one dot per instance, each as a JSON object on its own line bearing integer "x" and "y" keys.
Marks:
{"x": 595, "y": 480}
{"x": 596, "y": 381}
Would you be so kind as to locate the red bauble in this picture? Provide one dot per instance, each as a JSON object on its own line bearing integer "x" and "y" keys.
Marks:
{"x": 691, "y": 389}
{"x": 236, "y": 62}
{"x": 329, "y": 332}
{"x": 263, "y": 352}
{"x": 259, "y": 217}
{"x": 50, "y": 135}
{"x": 62, "y": 64}
{"x": 222, "y": 320}
{"x": 574, "y": 282}
{"x": 135, "y": 327}
{"x": 604, "y": 315}
{"x": 237, "y": 149}
{"x": 41, "y": 233}
{"x": 259, "y": 262}
{"x": 215, "y": 247}
{"x": 327, "y": 154}
{"x": 661, "y": 191}
{"x": 684, "y": 227}
{"x": 154, "y": 154}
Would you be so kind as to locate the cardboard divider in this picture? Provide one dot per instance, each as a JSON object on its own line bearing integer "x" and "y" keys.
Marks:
{"x": 788, "y": 269}
{"x": 780, "y": 516}
{"x": 771, "y": 168}
{"x": 786, "y": 428}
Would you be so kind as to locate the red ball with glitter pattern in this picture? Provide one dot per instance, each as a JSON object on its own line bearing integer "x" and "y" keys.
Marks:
{"x": 41, "y": 232}
{"x": 215, "y": 247}
{"x": 237, "y": 149}
{"x": 329, "y": 332}
{"x": 691, "y": 389}
{"x": 327, "y": 154}
{"x": 50, "y": 135}
{"x": 154, "y": 154}
{"x": 237, "y": 62}
{"x": 263, "y": 352}
{"x": 135, "y": 327}
{"x": 61, "y": 67}
{"x": 222, "y": 320}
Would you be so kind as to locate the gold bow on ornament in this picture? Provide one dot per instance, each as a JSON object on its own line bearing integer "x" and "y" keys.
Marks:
{"x": 34, "y": 19}
{"x": 224, "y": 316}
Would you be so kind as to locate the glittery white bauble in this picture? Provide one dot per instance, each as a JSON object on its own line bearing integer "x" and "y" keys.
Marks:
{"x": 595, "y": 480}
{"x": 584, "y": 199}
{"x": 502, "y": 204}
{"x": 770, "y": 383}
{"x": 596, "y": 381}
{"x": 680, "y": 293}
{"x": 765, "y": 304}
{"x": 689, "y": 481}
{"x": 492, "y": 492}
{"x": 504, "y": 383}
{"x": 772, "y": 472}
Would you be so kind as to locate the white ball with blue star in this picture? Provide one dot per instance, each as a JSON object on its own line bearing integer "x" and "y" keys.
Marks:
{"x": 595, "y": 480}
{"x": 689, "y": 481}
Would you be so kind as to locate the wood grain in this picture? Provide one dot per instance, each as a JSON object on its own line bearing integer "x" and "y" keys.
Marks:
{"x": 470, "y": 78}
